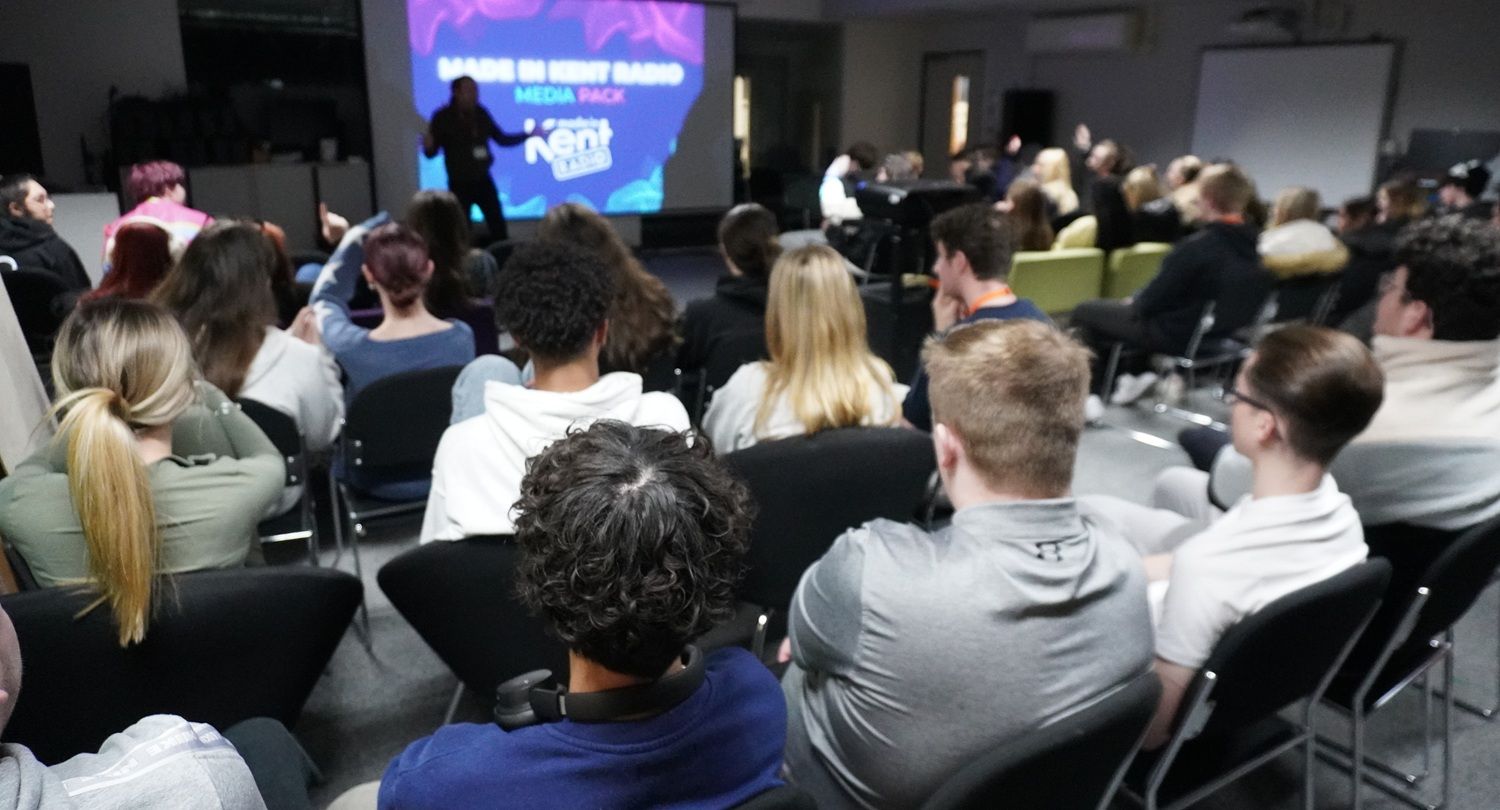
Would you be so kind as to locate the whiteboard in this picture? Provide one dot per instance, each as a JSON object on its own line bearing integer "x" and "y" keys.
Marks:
{"x": 1296, "y": 116}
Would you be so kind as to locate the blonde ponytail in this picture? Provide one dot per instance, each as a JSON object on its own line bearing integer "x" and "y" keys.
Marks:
{"x": 119, "y": 366}
{"x": 112, "y": 496}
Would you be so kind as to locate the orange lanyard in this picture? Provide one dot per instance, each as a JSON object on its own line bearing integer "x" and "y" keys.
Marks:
{"x": 1002, "y": 297}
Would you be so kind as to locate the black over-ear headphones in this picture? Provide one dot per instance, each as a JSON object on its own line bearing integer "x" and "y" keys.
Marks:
{"x": 536, "y": 697}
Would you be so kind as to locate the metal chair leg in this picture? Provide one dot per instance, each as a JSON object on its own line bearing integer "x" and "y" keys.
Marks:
{"x": 458, "y": 693}
{"x": 338, "y": 520}
{"x": 758, "y": 643}
{"x": 1357, "y": 760}
{"x": 1448, "y": 667}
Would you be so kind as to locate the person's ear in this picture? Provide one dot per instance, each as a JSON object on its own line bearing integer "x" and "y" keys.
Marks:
{"x": 960, "y": 261}
{"x": 946, "y": 446}
{"x": 15, "y": 210}
{"x": 602, "y": 333}
{"x": 1417, "y": 319}
{"x": 1266, "y": 427}
{"x": 430, "y": 268}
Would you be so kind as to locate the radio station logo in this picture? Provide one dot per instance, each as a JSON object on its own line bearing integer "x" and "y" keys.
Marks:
{"x": 573, "y": 147}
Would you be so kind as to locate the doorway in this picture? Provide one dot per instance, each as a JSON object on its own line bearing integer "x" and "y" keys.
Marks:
{"x": 952, "y": 94}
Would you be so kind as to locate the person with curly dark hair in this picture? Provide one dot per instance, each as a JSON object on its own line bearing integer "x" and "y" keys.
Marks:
{"x": 556, "y": 306}
{"x": 631, "y": 544}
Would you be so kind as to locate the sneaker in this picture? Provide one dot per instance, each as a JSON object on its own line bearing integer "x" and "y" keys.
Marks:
{"x": 1129, "y": 389}
{"x": 1093, "y": 409}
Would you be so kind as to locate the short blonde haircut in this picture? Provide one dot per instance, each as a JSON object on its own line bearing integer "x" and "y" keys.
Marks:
{"x": 1140, "y": 186}
{"x": 1053, "y": 166}
{"x": 1225, "y": 188}
{"x": 820, "y": 353}
{"x": 1013, "y": 391}
{"x": 1294, "y": 203}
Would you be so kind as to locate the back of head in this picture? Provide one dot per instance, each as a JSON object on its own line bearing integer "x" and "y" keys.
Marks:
{"x": 1225, "y": 189}
{"x": 1140, "y": 186}
{"x": 13, "y": 189}
{"x": 1013, "y": 391}
{"x": 1453, "y": 265}
{"x": 580, "y": 225}
{"x": 1471, "y": 176}
{"x": 1358, "y": 211}
{"x": 119, "y": 365}
{"x": 1402, "y": 197}
{"x": 438, "y": 217}
{"x": 1028, "y": 216}
{"x": 397, "y": 258}
{"x": 1184, "y": 169}
{"x": 899, "y": 167}
{"x": 1324, "y": 384}
{"x": 1052, "y": 165}
{"x": 981, "y": 233}
{"x": 864, "y": 153}
{"x": 557, "y": 297}
{"x": 154, "y": 179}
{"x": 139, "y": 260}
{"x": 815, "y": 333}
{"x": 221, "y": 293}
{"x": 1294, "y": 203}
{"x": 747, "y": 235}
{"x": 631, "y": 541}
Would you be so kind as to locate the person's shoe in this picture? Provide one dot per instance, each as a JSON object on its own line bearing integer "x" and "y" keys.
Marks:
{"x": 1093, "y": 409}
{"x": 1129, "y": 389}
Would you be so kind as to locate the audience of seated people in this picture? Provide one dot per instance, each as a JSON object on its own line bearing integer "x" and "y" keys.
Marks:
{"x": 220, "y": 292}
{"x": 142, "y": 253}
{"x": 159, "y": 190}
{"x": 974, "y": 251}
{"x": 642, "y": 317}
{"x": 913, "y": 652}
{"x": 1298, "y": 399}
{"x": 821, "y": 374}
{"x": 27, "y": 237}
{"x": 631, "y": 543}
{"x": 149, "y": 473}
{"x": 728, "y": 329}
{"x": 556, "y": 306}
{"x": 1217, "y": 265}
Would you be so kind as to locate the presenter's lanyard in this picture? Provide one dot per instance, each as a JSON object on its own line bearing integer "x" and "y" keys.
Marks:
{"x": 1002, "y": 297}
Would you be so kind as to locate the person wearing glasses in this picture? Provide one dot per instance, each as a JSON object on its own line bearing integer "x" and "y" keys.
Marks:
{"x": 1300, "y": 397}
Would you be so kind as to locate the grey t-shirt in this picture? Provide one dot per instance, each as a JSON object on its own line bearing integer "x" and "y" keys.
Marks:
{"x": 914, "y": 653}
{"x": 160, "y": 762}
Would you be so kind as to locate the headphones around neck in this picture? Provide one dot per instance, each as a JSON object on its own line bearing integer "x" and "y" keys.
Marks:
{"x": 536, "y": 697}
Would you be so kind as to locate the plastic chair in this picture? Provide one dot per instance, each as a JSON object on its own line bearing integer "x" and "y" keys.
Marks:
{"x": 223, "y": 646}
{"x": 785, "y": 797}
{"x": 460, "y": 598}
{"x": 810, "y": 490}
{"x": 297, "y": 523}
{"x": 1410, "y": 636}
{"x": 1132, "y": 268}
{"x": 390, "y": 433}
{"x": 1227, "y": 724}
{"x": 1058, "y": 280}
{"x": 1074, "y": 763}
{"x": 34, "y": 292}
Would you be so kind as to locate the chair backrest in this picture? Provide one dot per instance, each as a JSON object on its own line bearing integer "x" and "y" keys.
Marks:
{"x": 811, "y": 489}
{"x": 1284, "y": 652}
{"x": 1132, "y": 268}
{"x": 1058, "y": 280}
{"x": 32, "y": 290}
{"x": 460, "y": 597}
{"x": 283, "y": 432}
{"x": 393, "y": 426}
{"x": 1074, "y": 762}
{"x": 785, "y": 797}
{"x": 223, "y": 646}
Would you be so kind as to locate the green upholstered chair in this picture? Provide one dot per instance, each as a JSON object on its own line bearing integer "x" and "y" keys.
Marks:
{"x": 1058, "y": 280}
{"x": 1132, "y": 268}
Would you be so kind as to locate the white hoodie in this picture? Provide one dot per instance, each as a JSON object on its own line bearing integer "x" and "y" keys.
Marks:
{"x": 476, "y": 475}
{"x": 302, "y": 381}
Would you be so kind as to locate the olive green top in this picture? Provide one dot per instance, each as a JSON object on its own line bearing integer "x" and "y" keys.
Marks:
{"x": 218, "y": 483}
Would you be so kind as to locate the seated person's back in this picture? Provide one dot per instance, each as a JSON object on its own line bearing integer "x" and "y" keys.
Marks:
{"x": 630, "y": 543}
{"x": 821, "y": 374}
{"x": 556, "y": 306}
{"x": 728, "y": 329}
{"x": 179, "y": 487}
{"x": 914, "y": 653}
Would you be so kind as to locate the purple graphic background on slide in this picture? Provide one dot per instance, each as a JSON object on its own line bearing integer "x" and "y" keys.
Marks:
{"x": 643, "y": 119}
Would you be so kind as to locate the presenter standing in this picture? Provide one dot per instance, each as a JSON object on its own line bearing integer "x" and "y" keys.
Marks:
{"x": 463, "y": 129}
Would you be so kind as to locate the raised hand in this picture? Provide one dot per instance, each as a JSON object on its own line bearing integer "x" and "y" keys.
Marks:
{"x": 333, "y": 226}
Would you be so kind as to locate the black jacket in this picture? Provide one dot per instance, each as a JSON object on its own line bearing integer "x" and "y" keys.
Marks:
{"x": 1372, "y": 253}
{"x": 725, "y": 331}
{"x": 36, "y": 244}
{"x": 1219, "y": 264}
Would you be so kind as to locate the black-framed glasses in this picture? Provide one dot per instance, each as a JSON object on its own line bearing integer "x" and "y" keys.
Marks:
{"x": 1229, "y": 396}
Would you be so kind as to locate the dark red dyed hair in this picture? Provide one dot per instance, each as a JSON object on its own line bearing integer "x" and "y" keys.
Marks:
{"x": 397, "y": 258}
{"x": 141, "y": 257}
{"x": 154, "y": 178}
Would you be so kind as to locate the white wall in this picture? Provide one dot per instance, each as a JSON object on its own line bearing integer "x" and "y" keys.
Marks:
{"x": 77, "y": 50}
{"x": 1448, "y": 73}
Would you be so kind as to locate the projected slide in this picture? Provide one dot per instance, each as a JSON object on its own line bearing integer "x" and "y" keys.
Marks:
{"x": 609, "y": 83}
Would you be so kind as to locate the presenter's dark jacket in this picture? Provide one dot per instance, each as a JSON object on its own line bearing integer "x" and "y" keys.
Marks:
{"x": 461, "y": 135}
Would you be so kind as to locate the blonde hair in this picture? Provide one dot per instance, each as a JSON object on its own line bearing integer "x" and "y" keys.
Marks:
{"x": 119, "y": 365}
{"x": 820, "y": 355}
{"x": 1140, "y": 186}
{"x": 1013, "y": 391}
{"x": 1293, "y": 204}
{"x": 1056, "y": 178}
